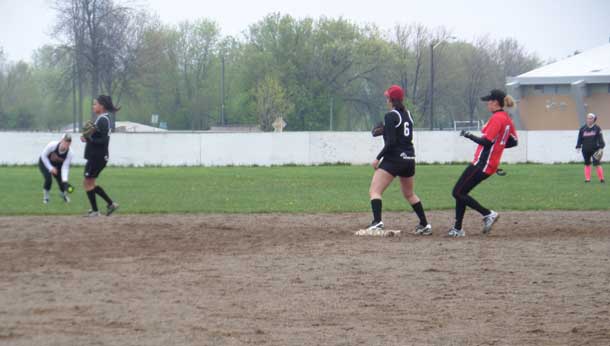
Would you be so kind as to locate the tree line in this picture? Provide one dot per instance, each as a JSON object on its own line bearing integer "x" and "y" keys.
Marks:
{"x": 316, "y": 73}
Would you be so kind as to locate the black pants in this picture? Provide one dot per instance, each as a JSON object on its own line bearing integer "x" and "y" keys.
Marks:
{"x": 588, "y": 156}
{"x": 471, "y": 177}
{"x": 48, "y": 177}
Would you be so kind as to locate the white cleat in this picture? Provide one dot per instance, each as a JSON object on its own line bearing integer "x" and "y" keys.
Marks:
{"x": 423, "y": 230}
{"x": 489, "y": 220}
{"x": 92, "y": 213}
{"x": 456, "y": 233}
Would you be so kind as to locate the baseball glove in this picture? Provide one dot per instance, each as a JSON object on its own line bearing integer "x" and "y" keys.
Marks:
{"x": 377, "y": 130}
{"x": 598, "y": 154}
{"x": 88, "y": 129}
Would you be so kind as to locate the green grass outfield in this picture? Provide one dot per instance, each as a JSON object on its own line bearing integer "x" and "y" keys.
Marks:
{"x": 288, "y": 189}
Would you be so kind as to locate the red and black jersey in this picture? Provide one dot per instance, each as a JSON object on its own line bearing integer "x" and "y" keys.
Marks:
{"x": 498, "y": 130}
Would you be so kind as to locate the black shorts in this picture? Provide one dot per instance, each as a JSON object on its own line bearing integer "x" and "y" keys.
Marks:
{"x": 399, "y": 167}
{"x": 94, "y": 167}
{"x": 588, "y": 156}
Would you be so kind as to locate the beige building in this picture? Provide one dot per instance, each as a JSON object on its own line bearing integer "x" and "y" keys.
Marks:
{"x": 560, "y": 95}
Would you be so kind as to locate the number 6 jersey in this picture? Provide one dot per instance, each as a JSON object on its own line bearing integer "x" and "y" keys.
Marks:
{"x": 397, "y": 136}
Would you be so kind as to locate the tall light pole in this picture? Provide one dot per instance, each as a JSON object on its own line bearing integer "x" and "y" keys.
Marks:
{"x": 222, "y": 90}
{"x": 432, "y": 47}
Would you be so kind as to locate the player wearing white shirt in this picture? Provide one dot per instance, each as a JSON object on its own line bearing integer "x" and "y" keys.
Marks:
{"x": 55, "y": 162}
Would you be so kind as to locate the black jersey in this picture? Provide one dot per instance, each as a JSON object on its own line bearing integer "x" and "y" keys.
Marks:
{"x": 398, "y": 136}
{"x": 97, "y": 144}
{"x": 590, "y": 138}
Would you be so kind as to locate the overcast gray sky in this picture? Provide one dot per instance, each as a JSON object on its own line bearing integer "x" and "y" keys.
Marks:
{"x": 550, "y": 28}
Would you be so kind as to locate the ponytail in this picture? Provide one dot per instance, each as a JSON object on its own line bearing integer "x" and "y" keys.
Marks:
{"x": 106, "y": 102}
{"x": 509, "y": 102}
{"x": 399, "y": 106}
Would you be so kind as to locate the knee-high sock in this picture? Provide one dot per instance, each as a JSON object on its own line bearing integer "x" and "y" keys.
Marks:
{"x": 419, "y": 210}
{"x": 91, "y": 196}
{"x": 587, "y": 173}
{"x": 376, "y": 207}
{"x": 600, "y": 172}
{"x": 102, "y": 193}
{"x": 460, "y": 210}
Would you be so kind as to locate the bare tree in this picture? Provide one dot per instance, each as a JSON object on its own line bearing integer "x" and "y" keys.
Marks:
{"x": 477, "y": 66}
{"x": 513, "y": 58}
{"x": 103, "y": 38}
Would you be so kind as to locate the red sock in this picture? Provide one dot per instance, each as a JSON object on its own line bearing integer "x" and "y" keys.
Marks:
{"x": 588, "y": 173}
{"x": 600, "y": 173}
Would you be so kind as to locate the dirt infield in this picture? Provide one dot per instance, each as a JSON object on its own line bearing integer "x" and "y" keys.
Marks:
{"x": 538, "y": 279}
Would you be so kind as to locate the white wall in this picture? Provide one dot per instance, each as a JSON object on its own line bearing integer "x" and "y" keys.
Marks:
{"x": 219, "y": 149}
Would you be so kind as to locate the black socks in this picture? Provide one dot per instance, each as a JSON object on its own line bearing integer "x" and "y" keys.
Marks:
{"x": 102, "y": 193}
{"x": 417, "y": 207}
{"x": 91, "y": 196}
{"x": 419, "y": 210}
{"x": 376, "y": 206}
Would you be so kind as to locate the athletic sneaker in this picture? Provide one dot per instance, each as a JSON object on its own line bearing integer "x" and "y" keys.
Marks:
{"x": 455, "y": 233}
{"x": 92, "y": 213}
{"x": 45, "y": 200}
{"x": 587, "y": 181}
{"x": 423, "y": 230}
{"x": 602, "y": 181}
{"x": 488, "y": 221}
{"x": 65, "y": 198}
{"x": 112, "y": 208}
{"x": 375, "y": 226}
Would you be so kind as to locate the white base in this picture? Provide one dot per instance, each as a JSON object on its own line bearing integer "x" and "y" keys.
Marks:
{"x": 377, "y": 233}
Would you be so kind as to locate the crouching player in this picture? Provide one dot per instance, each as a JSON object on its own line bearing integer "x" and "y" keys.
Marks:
{"x": 55, "y": 162}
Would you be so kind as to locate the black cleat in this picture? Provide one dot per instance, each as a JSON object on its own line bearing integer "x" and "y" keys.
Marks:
{"x": 111, "y": 208}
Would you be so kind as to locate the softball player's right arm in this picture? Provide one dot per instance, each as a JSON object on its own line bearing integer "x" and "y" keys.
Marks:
{"x": 579, "y": 141}
{"x": 44, "y": 156}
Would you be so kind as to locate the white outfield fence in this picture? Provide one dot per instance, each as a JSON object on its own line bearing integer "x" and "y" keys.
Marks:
{"x": 302, "y": 148}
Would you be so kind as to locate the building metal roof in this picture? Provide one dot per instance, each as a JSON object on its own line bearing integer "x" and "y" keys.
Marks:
{"x": 591, "y": 66}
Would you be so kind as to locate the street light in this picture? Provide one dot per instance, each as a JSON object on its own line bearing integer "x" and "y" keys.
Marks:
{"x": 432, "y": 47}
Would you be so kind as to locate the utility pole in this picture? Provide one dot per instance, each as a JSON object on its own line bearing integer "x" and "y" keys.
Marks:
{"x": 222, "y": 90}
{"x": 74, "y": 98}
{"x": 332, "y": 104}
{"x": 432, "y": 46}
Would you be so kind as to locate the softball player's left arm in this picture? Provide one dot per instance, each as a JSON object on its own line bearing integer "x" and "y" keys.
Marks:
{"x": 513, "y": 140}
{"x": 65, "y": 167}
{"x": 600, "y": 139}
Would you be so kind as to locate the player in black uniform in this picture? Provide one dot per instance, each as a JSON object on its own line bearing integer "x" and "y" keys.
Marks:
{"x": 397, "y": 158}
{"x": 55, "y": 162}
{"x": 96, "y": 153}
{"x": 590, "y": 140}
